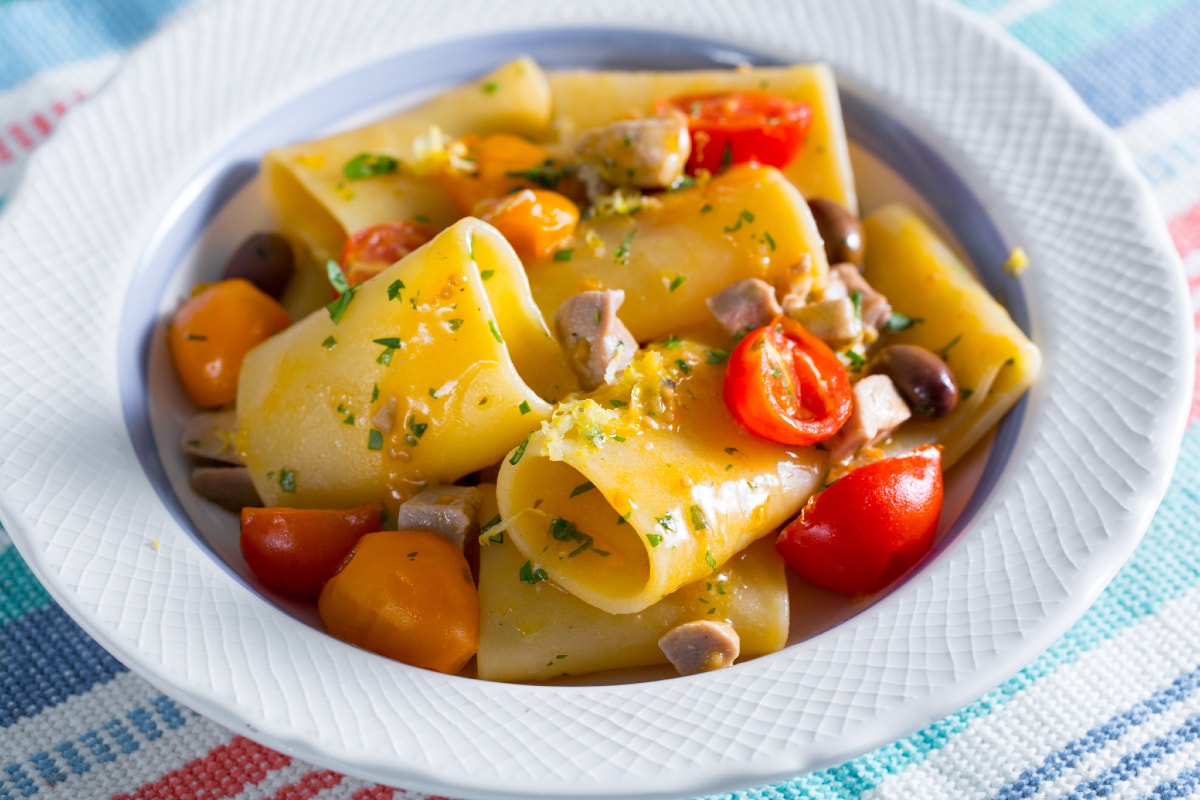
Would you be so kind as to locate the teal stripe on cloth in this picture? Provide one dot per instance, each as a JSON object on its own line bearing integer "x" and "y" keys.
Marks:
{"x": 1164, "y": 566}
{"x": 1069, "y": 28}
{"x": 20, "y": 593}
{"x": 33, "y": 37}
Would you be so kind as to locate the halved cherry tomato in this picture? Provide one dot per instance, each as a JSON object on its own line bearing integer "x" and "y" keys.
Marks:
{"x": 536, "y": 222}
{"x": 868, "y": 528}
{"x": 786, "y": 385}
{"x": 496, "y": 156}
{"x": 373, "y": 249}
{"x": 213, "y": 330}
{"x": 742, "y": 127}
{"x": 407, "y": 595}
{"x": 295, "y": 550}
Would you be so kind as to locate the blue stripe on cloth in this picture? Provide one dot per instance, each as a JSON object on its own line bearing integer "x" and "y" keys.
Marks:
{"x": 1068, "y": 28}
{"x": 60, "y": 763}
{"x": 1141, "y": 69}
{"x": 1131, "y": 764}
{"x": 45, "y": 658}
{"x": 1056, "y": 763}
{"x": 1182, "y": 785}
{"x": 33, "y": 38}
{"x": 1163, "y": 567}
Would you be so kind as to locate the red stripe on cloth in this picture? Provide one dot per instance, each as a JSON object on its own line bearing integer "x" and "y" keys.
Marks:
{"x": 309, "y": 786}
{"x": 226, "y": 771}
{"x": 42, "y": 124}
{"x": 21, "y": 136}
{"x": 1185, "y": 230}
{"x": 1194, "y": 415}
{"x": 6, "y": 155}
{"x": 374, "y": 793}
{"x": 59, "y": 108}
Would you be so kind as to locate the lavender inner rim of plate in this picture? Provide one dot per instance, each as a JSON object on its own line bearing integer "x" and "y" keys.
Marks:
{"x": 236, "y": 164}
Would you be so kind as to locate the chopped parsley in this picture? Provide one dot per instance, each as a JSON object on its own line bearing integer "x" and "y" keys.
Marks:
{"x": 708, "y": 559}
{"x": 654, "y": 539}
{"x": 671, "y": 342}
{"x": 615, "y": 403}
{"x": 374, "y": 392}
{"x": 524, "y": 407}
{"x": 899, "y": 322}
{"x": 287, "y": 480}
{"x": 856, "y": 299}
{"x": 491, "y": 87}
{"x": 369, "y": 165}
{"x": 699, "y": 521}
{"x": 337, "y": 279}
{"x": 394, "y": 289}
{"x": 487, "y": 526}
{"x": 487, "y": 274}
{"x": 548, "y": 174}
{"x": 581, "y": 488}
{"x": 329, "y": 343}
{"x": 563, "y": 530}
{"x": 621, "y": 254}
{"x": 666, "y": 521}
{"x": 565, "y": 254}
{"x": 530, "y": 575}
{"x": 676, "y": 282}
{"x": 945, "y": 351}
{"x": 684, "y": 366}
{"x": 520, "y": 451}
{"x": 716, "y": 357}
{"x": 495, "y": 333}
{"x": 769, "y": 239}
{"x": 454, "y": 324}
{"x": 196, "y": 337}
{"x": 375, "y": 440}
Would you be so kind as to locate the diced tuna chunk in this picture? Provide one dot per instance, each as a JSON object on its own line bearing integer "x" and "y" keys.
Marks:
{"x": 212, "y": 435}
{"x": 876, "y": 310}
{"x": 701, "y": 645}
{"x": 648, "y": 153}
{"x": 598, "y": 345}
{"x": 833, "y": 321}
{"x": 452, "y": 511}
{"x": 228, "y": 487}
{"x": 878, "y": 410}
{"x": 744, "y": 306}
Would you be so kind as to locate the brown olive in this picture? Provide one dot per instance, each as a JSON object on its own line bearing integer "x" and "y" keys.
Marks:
{"x": 264, "y": 259}
{"x": 841, "y": 230}
{"x": 923, "y": 380}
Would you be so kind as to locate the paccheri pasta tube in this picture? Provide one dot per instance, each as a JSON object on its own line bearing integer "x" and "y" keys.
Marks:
{"x": 433, "y": 369}
{"x": 952, "y": 315}
{"x": 626, "y": 495}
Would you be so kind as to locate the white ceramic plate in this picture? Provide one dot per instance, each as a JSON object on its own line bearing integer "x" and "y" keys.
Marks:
{"x": 138, "y": 185}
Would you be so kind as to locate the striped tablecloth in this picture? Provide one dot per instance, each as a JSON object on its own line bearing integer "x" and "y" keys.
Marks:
{"x": 1112, "y": 709}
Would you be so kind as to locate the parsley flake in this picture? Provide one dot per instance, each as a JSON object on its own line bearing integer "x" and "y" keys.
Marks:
{"x": 287, "y": 480}
{"x": 520, "y": 451}
{"x": 524, "y": 407}
{"x": 369, "y": 165}
{"x": 454, "y": 324}
{"x": 621, "y": 254}
{"x": 530, "y": 575}
{"x": 394, "y": 289}
{"x": 654, "y": 539}
{"x": 329, "y": 343}
{"x": 495, "y": 333}
{"x": 375, "y": 440}
{"x": 581, "y": 488}
{"x": 565, "y": 254}
{"x": 676, "y": 282}
{"x": 487, "y": 274}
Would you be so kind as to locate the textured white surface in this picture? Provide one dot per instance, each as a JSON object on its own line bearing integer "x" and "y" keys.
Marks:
{"x": 1093, "y": 457}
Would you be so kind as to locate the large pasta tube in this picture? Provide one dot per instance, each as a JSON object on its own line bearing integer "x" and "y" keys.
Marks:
{"x": 746, "y": 223}
{"x": 991, "y": 358}
{"x": 436, "y": 368}
{"x": 316, "y": 202}
{"x": 532, "y": 630}
{"x": 582, "y": 100}
{"x": 626, "y": 495}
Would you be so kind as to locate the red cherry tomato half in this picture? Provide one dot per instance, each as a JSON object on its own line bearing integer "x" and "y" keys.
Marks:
{"x": 742, "y": 127}
{"x": 373, "y": 249}
{"x": 295, "y": 550}
{"x": 786, "y": 385}
{"x": 868, "y": 528}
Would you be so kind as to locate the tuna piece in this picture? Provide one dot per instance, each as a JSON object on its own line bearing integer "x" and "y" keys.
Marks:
{"x": 212, "y": 435}
{"x": 701, "y": 645}
{"x": 744, "y": 306}
{"x": 878, "y": 410}
{"x": 648, "y": 153}
{"x": 833, "y": 321}
{"x": 598, "y": 345}
{"x": 228, "y": 487}
{"x": 452, "y": 511}
{"x": 875, "y": 308}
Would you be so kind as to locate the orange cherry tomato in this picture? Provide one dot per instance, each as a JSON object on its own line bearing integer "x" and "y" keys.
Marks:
{"x": 495, "y": 156}
{"x": 407, "y": 595}
{"x": 373, "y": 249}
{"x": 212, "y": 332}
{"x": 870, "y": 526}
{"x": 786, "y": 385}
{"x": 742, "y": 128}
{"x": 536, "y": 222}
{"x": 295, "y": 550}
